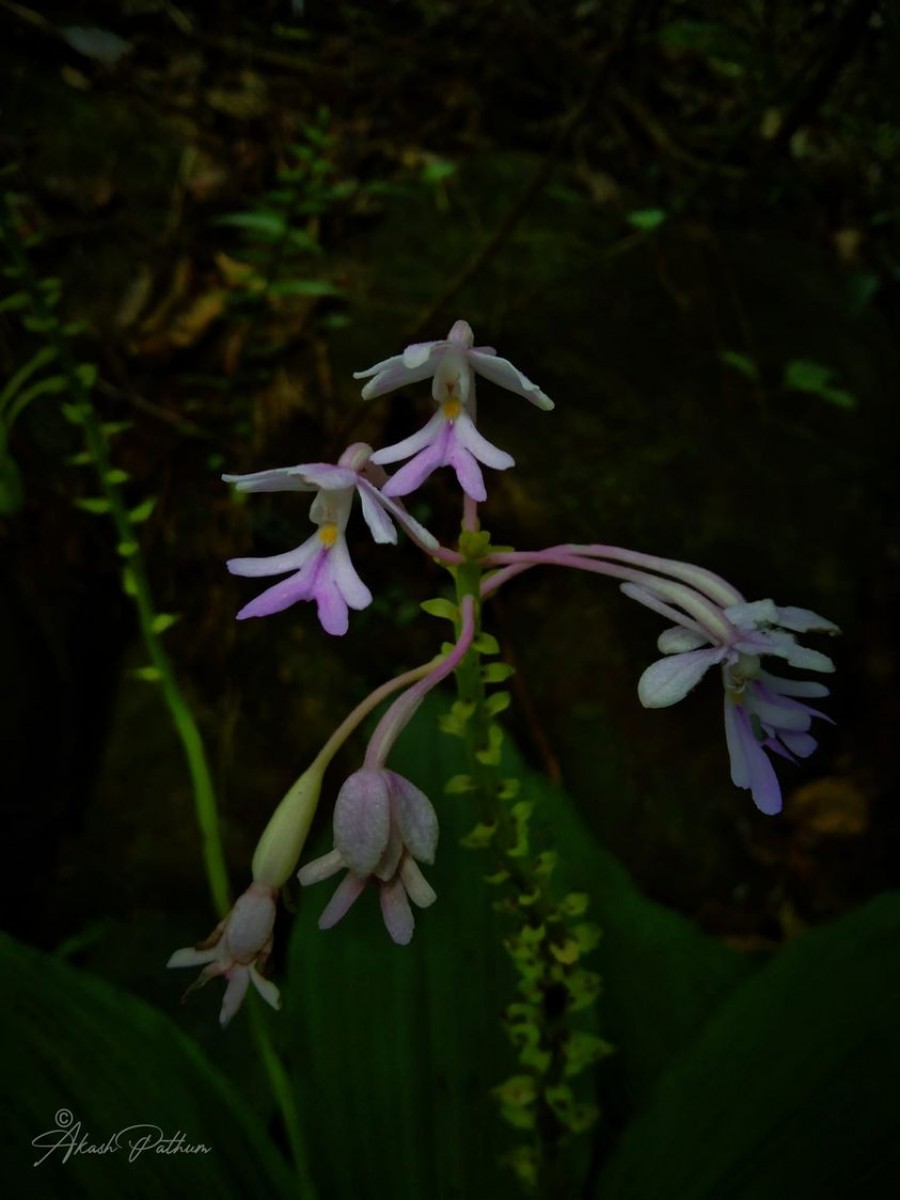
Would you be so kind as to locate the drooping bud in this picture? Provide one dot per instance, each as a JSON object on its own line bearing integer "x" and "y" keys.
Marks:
{"x": 284, "y": 837}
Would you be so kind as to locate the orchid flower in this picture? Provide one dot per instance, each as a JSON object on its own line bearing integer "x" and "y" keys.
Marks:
{"x": 321, "y": 568}
{"x": 450, "y": 438}
{"x": 238, "y": 949}
{"x": 763, "y": 712}
{"x": 382, "y": 825}
{"x": 456, "y": 355}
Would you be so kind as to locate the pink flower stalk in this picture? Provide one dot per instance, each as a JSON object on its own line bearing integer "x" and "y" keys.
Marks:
{"x": 763, "y": 712}
{"x": 382, "y": 825}
{"x": 321, "y": 568}
{"x": 450, "y": 438}
{"x": 238, "y": 948}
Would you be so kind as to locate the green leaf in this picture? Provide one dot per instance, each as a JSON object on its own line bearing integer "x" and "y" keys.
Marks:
{"x": 127, "y": 549}
{"x": 267, "y": 224}
{"x": 740, "y": 362}
{"x": 16, "y": 381}
{"x": 805, "y": 376}
{"x": 305, "y": 287}
{"x": 39, "y": 324}
{"x": 497, "y": 672}
{"x": 15, "y": 301}
{"x": 163, "y": 621}
{"x": 410, "y": 1065}
{"x": 74, "y": 1045}
{"x": 486, "y": 643}
{"x": 441, "y": 608}
{"x": 87, "y": 374}
{"x": 497, "y": 703}
{"x": 788, "y": 1092}
{"x": 143, "y": 510}
{"x": 94, "y": 504}
{"x": 117, "y": 476}
{"x": 75, "y": 414}
{"x": 44, "y": 387}
{"x": 146, "y": 674}
{"x": 801, "y": 375}
{"x": 647, "y": 219}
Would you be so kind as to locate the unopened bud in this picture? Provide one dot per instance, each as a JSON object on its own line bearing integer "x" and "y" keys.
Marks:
{"x": 279, "y": 848}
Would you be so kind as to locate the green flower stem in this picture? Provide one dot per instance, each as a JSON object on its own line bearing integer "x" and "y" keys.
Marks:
{"x": 138, "y": 587}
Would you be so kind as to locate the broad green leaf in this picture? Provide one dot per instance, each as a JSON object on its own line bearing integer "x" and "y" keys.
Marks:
{"x": 406, "y": 1042}
{"x": 395, "y": 1048}
{"x": 82, "y": 1054}
{"x": 790, "y": 1091}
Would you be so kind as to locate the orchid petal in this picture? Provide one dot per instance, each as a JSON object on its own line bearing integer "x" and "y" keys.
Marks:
{"x": 345, "y": 893}
{"x": 279, "y": 479}
{"x": 416, "y": 531}
{"x": 779, "y": 716}
{"x": 380, "y": 524}
{"x": 191, "y": 957}
{"x": 277, "y": 598}
{"x": 415, "y": 817}
{"x": 670, "y": 679}
{"x": 467, "y": 471}
{"x": 266, "y": 988}
{"x": 417, "y": 886}
{"x": 753, "y": 614}
{"x": 678, "y": 639}
{"x": 395, "y": 910}
{"x": 793, "y": 687}
{"x": 413, "y": 444}
{"x": 502, "y": 372}
{"x": 750, "y": 767}
{"x": 362, "y": 820}
{"x": 803, "y": 620}
{"x": 492, "y": 456}
{"x": 238, "y": 981}
{"x": 276, "y": 564}
{"x": 419, "y": 353}
{"x": 416, "y": 471}
{"x": 340, "y": 571}
{"x": 801, "y": 744}
{"x": 321, "y": 868}
{"x": 328, "y": 477}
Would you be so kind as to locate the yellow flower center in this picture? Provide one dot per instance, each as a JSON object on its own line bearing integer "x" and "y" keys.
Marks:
{"x": 328, "y": 534}
{"x": 451, "y": 408}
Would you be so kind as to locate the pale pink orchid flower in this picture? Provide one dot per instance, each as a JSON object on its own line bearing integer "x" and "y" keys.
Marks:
{"x": 238, "y": 949}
